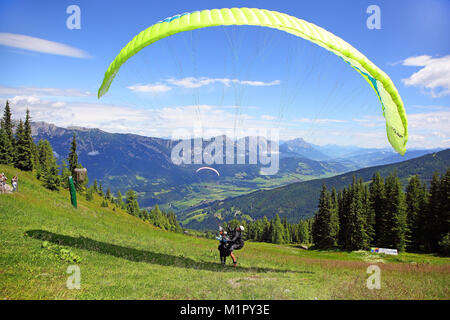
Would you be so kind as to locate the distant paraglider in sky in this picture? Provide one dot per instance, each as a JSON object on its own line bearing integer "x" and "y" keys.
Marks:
{"x": 208, "y": 168}
{"x": 391, "y": 102}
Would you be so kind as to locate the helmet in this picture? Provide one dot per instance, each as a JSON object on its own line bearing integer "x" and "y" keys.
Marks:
{"x": 220, "y": 228}
{"x": 241, "y": 227}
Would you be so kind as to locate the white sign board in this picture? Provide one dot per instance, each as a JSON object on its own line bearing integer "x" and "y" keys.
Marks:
{"x": 385, "y": 251}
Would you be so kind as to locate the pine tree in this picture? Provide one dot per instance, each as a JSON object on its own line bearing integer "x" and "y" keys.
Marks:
{"x": 255, "y": 231}
{"x": 95, "y": 186}
{"x": 422, "y": 219}
{"x": 28, "y": 142}
{"x": 303, "y": 232}
{"x": 287, "y": 230}
{"x": 358, "y": 237}
{"x": 251, "y": 230}
{"x": 415, "y": 197}
{"x": 65, "y": 174}
{"x": 6, "y": 146}
{"x": 278, "y": 231}
{"x": 21, "y": 156}
{"x": 438, "y": 214}
{"x": 343, "y": 210}
{"x": 35, "y": 153}
{"x": 267, "y": 233}
{"x": 174, "y": 223}
{"x": 378, "y": 201}
{"x": 323, "y": 236}
{"x": 396, "y": 227}
{"x": 100, "y": 191}
{"x": 109, "y": 194}
{"x": 48, "y": 168}
{"x": 90, "y": 194}
{"x": 132, "y": 205}
{"x": 145, "y": 215}
{"x": 44, "y": 155}
{"x": 444, "y": 217}
{"x": 119, "y": 200}
{"x": 156, "y": 217}
{"x": 369, "y": 215}
{"x": 8, "y": 121}
{"x": 334, "y": 218}
{"x": 7, "y": 141}
{"x": 73, "y": 156}
{"x": 51, "y": 178}
{"x": 24, "y": 145}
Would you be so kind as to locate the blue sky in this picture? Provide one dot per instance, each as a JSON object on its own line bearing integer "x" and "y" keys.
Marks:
{"x": 228, "y": 77}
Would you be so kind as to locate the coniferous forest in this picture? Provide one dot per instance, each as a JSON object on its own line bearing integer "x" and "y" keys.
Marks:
{"x": 381, "y": 213}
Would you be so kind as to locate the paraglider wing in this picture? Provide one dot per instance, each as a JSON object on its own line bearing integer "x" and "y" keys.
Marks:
{"x": 208, "y": 168}
{"x": 391, "y": 102}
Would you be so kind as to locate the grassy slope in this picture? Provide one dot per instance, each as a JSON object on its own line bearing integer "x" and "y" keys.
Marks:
{"x": 124, "y": 257}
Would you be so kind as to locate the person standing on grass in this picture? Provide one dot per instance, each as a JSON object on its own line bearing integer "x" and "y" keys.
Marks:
{"x": 14, "y": 182}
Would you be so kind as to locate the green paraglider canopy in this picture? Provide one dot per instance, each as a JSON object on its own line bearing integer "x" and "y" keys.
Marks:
{"x": 391, "y": 102}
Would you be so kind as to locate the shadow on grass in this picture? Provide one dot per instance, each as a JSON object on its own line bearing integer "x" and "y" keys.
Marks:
{"x": 138, "y": 255}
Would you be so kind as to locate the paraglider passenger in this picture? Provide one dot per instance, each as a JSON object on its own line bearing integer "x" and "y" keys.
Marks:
{"x": 223, "y": 250}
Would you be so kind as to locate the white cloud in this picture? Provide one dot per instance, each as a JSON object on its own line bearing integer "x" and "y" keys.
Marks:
{"x": 416, "y": 138}
{"x": 58, "y": 104}
{"x": 40, "y": 45}
{"x": 24, "y": 100}
{"x": 43, "y": 92}
{"x": 192, "y": 82}
{"x": 267, "y": 117}
{"x": 260, "y": 83}
{"x": 321, "y": 121}
{"x": 370, "y": 121}
{"x": 430, "y": 121}
{"x": 72, "y": 113}
{"x": 439, "y": 134}
{"x": 417, "y": 61}
{"x": 150, "y": 88}
{"x": 434, "y": 75}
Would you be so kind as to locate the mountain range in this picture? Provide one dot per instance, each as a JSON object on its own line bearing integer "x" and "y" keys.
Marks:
{"x": 129, "y": 161}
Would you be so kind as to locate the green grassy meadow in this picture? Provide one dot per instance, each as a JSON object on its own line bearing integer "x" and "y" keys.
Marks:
{"x": 122, "y": 257}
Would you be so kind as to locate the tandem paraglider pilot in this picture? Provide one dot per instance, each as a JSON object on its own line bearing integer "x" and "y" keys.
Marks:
{"x": 230, "y": 243}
